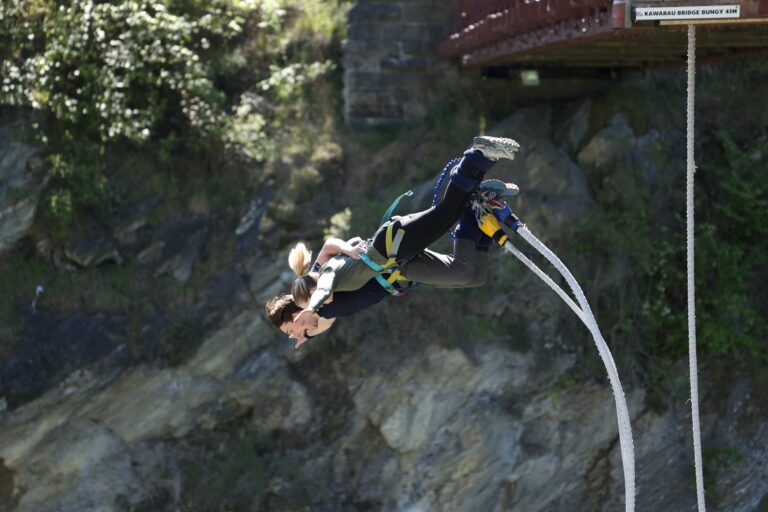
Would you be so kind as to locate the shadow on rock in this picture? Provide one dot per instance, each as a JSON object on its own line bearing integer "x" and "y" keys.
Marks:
{"x": 52, "y": 347}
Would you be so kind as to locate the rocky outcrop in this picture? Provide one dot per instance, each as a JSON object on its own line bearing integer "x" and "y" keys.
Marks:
{"x": 23, "y": 175}
{"x": 78, "y": 447}
{"x": 53, "y": 346}
{"x": 554, "y": 190}
{"x": 610, "y": 146}
{"x": 90, "y": 250}
{"x": 130, "y": 226}
{"x": 447, "y": 430}
{"x": 383, "y": 414}
{"x": 571, "y": 133}
{"x": 182, "y": 243}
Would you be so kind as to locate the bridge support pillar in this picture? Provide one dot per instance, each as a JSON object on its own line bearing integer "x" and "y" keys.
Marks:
{"x": 391, "y": 70}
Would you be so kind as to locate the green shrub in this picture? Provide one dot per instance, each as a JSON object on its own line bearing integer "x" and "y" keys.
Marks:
{"x": 115, "y": 70}
{"x": 649, "y": 307}
{"x": 164, "y": 77}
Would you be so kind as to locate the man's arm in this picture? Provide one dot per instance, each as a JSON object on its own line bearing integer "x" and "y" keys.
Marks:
{"x": 349, "y": 303}
{"x": 310, "y": 325}
{"x": 344, "y": 304}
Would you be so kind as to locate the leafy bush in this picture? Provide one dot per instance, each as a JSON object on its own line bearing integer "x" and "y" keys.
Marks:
{"x": 649, "y": 307}
{"x": 731, "y": 250}
{"x": 115, "y": 70}
{"x": 222, "y": 79}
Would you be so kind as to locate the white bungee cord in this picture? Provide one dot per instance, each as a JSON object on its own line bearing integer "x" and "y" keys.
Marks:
{"x": 691, "y": 170}
{"x": 585, "y": 315}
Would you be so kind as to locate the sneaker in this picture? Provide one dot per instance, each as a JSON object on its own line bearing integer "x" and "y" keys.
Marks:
{"x": 496, "y": 148}
{"x": 497, "y": 189}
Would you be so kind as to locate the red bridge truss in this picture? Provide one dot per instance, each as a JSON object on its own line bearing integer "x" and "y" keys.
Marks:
{"x": 604, "y": 33}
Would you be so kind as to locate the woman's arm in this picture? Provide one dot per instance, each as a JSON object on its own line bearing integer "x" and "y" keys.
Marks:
{"x": 325, "y": 285}
{"x": 335, "y": 246}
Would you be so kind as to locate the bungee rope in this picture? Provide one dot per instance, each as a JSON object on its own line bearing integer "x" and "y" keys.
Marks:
{"x": 509, "y": 247}
{"x": 582, "y": 311}
{"x": 691, "y": 170}
{"x": 585, "y": 315}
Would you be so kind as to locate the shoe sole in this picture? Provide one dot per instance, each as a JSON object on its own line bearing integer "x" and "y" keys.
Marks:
{"x": 499, "y": 188}
{"x": 495, "y": 148}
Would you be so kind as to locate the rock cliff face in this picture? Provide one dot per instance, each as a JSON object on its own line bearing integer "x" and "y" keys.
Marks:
{"x": 79, "y": 446}
{"x": 380, "y": 415}
{"x": 22, "y": 177}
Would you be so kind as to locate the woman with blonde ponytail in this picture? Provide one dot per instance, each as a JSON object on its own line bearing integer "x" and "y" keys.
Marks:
{"x": 300, "y": 259}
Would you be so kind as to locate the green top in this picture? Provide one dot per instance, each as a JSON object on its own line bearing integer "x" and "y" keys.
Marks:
{"x": 343, "y": 274}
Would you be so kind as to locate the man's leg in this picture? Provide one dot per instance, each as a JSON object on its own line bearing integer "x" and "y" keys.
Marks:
{"x": 424, "y": 228}
{"x": 466, "y": 267}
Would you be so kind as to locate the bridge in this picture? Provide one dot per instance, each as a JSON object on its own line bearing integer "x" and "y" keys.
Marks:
{"x": 604, "y": 33}
{"x": 400, "y": 53}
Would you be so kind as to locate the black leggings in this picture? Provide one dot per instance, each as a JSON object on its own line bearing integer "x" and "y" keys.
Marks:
{"x": 424, "y": 228}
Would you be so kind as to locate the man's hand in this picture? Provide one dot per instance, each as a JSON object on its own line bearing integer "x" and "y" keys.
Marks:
{"x": 300, "y": 340}
{"x": 306, "y": 319}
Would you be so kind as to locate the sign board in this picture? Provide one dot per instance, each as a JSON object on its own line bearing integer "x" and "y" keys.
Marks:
{"x": 688, "y": 12}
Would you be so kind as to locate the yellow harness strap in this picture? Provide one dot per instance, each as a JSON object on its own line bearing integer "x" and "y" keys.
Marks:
{"x": 393, "y": 245}
{"x": 396, "y": 276}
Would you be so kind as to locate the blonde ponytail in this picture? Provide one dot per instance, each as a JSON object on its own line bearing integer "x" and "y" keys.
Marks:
{"x": 300, "y": 259}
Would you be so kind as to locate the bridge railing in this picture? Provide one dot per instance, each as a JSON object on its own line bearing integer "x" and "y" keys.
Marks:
{"x": 483, "y": 22}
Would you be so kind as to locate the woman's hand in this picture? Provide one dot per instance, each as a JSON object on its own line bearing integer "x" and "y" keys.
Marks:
{"x": 355, "y": 251}
{"x": 334, "y": 247}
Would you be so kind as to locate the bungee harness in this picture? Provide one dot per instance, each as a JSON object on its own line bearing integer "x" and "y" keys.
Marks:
{"x": 388, "y": 275}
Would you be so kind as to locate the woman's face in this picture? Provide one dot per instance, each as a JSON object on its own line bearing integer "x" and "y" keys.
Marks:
{"x": 291, "y": 329}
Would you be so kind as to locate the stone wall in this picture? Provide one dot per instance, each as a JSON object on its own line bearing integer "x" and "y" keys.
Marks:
{"x": 391, "y": 71}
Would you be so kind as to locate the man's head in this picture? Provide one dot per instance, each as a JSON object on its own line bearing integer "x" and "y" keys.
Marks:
{"x": 281, "y": 312}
